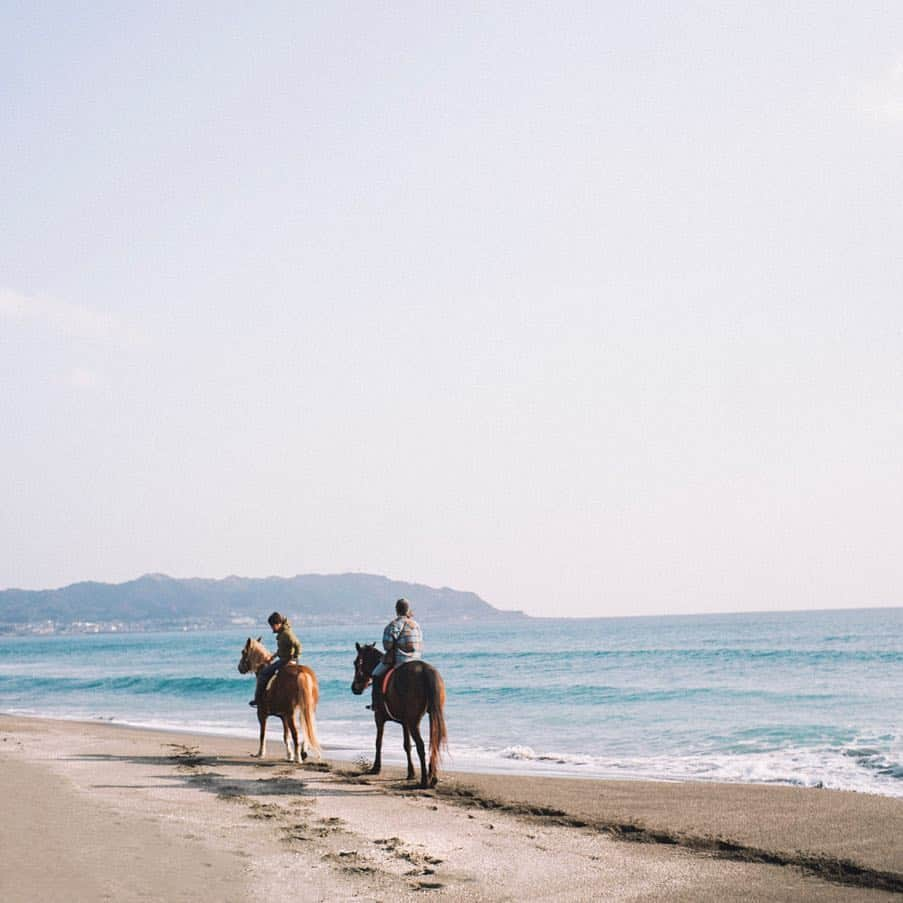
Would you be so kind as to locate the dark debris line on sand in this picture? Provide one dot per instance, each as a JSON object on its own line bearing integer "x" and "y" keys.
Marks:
{"x": 828, "y": 868}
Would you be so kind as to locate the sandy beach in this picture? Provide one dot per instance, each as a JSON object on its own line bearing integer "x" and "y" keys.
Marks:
{"x": 101, "y": 812}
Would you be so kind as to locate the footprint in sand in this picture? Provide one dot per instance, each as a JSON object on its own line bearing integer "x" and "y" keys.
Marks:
{"x": 265, "y": 810}
{"x": 427, "y": 885}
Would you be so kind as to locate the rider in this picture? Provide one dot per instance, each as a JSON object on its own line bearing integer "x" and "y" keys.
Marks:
{"x": 403, "y": 642}
{"x": 287, "y": 650}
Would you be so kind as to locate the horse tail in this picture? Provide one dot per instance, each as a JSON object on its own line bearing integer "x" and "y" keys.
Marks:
{"x": 435, "y": 702}
{"x": 310, "y": 693}
{"x": 314, "y": 688}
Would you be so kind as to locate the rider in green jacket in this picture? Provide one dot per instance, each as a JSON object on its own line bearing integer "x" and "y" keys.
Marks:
{"x": 288, "y": 649}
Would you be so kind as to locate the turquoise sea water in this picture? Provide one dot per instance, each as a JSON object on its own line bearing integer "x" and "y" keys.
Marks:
{"x": 811, "y": 698}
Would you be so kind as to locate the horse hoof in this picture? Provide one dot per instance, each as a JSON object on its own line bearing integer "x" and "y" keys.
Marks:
{"x": 373, "y": 771}
{"x": 304, "y": 757}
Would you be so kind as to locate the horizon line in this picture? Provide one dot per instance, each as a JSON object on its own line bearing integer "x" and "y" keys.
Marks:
{"x": 610, "y": 617}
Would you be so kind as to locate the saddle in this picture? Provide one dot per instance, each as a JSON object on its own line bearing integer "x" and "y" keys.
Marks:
{"x": 287, "y": 668}
{"x": 388, "y": 676}
{"x": 384, "y": 688}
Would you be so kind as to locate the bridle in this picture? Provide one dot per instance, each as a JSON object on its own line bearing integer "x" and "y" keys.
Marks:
{"x": 245, "y": 665}
{"x": 362, "y": 677}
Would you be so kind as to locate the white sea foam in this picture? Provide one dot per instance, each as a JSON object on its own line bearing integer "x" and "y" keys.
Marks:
{"x": 833, "y": 768}
{"x": 859, "y": 766}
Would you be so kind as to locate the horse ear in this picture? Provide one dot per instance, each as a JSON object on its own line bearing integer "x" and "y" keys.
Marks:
{"x": 259, "y": 639}
{"x": 358, "y": 646}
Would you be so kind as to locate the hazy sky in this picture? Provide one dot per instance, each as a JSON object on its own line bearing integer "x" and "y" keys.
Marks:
{"x": 590, "y": 308}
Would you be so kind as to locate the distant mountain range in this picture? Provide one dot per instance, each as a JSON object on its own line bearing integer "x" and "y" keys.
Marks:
{"x": 156, "y": 600}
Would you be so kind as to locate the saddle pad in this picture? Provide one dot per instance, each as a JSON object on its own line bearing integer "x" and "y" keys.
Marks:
{"x": 288, "y": 666}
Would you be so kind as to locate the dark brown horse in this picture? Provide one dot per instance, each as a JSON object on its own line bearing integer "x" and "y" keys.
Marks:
{"x": 293, "y": 692}
{"x": 414, "y": 689}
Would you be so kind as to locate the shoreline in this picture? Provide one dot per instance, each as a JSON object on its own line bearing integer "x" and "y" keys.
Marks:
{"x": 753, "y": 703}
{"x": 466, "y": 763}
{"x": 200, "y": 798}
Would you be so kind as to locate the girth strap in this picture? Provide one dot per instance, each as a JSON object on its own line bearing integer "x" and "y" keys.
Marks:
{"x": 385, "y": 689}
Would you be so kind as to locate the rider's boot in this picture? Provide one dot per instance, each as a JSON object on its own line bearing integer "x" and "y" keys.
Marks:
{"x": 258, "y": 692}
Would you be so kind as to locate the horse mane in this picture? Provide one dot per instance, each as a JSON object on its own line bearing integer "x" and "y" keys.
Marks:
{"x": 369, "y": 651}
{"x": 258, "y": 654}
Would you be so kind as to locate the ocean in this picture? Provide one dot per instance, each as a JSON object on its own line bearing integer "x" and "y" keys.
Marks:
{"x": 812, "y": 699}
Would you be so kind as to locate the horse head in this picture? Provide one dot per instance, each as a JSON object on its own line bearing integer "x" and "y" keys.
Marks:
{"x": 367, "y": 658}
{"x": 251, "y": 656}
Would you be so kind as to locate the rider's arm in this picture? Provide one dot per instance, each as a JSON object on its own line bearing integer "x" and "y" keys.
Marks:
{"x": 390, "y": 636}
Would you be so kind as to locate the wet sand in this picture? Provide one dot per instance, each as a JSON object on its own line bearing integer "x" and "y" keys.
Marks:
{"x": 100, "y": 812}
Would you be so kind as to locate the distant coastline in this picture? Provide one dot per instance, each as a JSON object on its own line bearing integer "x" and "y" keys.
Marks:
{"x": 158, "y": 602}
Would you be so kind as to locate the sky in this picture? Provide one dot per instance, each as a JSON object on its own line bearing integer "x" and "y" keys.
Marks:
{"x": 590, "y": 308}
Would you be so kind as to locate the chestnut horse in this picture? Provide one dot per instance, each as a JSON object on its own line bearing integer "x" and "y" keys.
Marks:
{"x": 414, "y": 689}
{"x": 292, "y": 692}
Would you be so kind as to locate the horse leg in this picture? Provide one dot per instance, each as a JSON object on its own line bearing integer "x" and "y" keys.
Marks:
{"x": 262, "y": 718}
{"x": 421, "y": 753}
{"x": 285, "y": 730}
{"x": 294, "y": 729}
{"x": 407, "y": 749}
{"x": 377, "y": 762}
{"x": 302, "y": 734}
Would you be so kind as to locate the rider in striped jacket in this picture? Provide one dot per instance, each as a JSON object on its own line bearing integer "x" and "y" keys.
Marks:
{"x": 403, "y": 642}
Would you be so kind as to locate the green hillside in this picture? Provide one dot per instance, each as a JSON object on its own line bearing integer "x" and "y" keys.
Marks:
{"x": 156, "y": 599}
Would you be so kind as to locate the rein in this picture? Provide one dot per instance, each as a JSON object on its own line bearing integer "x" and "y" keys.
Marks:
{"x": 384, "y": 680}
{"x": 368, "y": 678}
